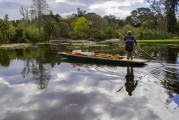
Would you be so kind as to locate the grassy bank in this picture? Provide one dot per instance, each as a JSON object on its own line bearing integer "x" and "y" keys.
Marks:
{"x": 17, "y": 46}
{"x": 159, "y": 41}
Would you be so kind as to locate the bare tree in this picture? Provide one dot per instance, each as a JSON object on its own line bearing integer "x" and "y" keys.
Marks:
{"x": 40, "y": 7}
{"x": 171, "y": 8}
{"x": 167, "y": 10}
{"x": 32, "y": 14}
{"x": 157, "y": 6}
{"x": 24, "y": 12}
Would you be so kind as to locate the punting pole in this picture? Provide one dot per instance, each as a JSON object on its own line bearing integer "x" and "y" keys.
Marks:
{"x": 149, "y": 55}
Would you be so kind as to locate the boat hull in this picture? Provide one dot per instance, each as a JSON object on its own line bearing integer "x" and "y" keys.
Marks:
{"x": 87, "y": 59}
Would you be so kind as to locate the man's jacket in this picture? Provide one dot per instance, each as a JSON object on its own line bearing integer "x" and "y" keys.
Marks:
{"x": 129, "y": 40}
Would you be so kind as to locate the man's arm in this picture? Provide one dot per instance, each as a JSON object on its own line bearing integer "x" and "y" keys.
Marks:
{"x": 135, "y": 41}
{"x": 125, "y": 38}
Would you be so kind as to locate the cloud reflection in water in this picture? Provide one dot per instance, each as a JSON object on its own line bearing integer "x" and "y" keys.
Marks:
{"x": 87, "y": 94}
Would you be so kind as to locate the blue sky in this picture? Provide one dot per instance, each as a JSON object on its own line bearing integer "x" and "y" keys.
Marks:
{"x": 119, "y": 8}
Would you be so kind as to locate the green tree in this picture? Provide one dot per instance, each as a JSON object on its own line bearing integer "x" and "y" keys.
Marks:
{"x": 21, "y": 24}
{"x": 113, "y": 21}
{"x": 4, "y": 26}
{"x": 63, "y": 29}
{"x": 32, "y": 34}
{"x": 138, "y": 16}
{"x": 110, "y": 32}
{"x": 126, "y": 28}
{"x": 11, "y": 32}
{"x": 129, "y": 20}
{"x": 57, "y": 17}
{"x": 151, "y": 22}
{"x": 97, "y": 21}
{"x": 82, "y": 27}
{"x": 50, "y": 27}
{"x": 19, "y": 32}
{"x": 6, "y": 17}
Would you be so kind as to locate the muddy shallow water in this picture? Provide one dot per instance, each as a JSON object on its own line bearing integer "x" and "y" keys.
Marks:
{"x": 36, "y": 85}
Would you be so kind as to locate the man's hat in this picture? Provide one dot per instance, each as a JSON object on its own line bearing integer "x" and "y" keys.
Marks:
{"x": 129, "y": 32}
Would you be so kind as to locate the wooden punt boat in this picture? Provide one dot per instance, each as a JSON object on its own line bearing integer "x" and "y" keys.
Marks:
{"x": 97, "y": 60}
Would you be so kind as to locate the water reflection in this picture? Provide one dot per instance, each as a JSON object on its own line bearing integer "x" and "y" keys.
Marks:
{"x": 172, "y": 102}
{"x": 84, "y": 91}
{"x": 38, "y": 71}
{"x": 130, "y": 83}
{"x": 161, "y": 52}
{"x": 36, "y": 66}
{"x": 172, "y": 54}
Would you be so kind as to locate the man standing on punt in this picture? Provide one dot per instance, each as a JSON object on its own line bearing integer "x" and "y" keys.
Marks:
{"x": 129, "y": 42}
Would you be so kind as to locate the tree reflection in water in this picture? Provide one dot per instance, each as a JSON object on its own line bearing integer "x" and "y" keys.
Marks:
{"x": 38, "y": 72}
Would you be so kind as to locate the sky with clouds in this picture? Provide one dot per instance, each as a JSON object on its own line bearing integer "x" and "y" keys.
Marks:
{"x": 119, "y": 8}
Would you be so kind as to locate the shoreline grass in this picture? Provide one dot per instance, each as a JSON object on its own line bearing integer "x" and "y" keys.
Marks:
{"x": 159, "y": 41}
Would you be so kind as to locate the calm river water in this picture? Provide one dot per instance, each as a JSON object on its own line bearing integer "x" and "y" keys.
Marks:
{"x": 36, "y": 84}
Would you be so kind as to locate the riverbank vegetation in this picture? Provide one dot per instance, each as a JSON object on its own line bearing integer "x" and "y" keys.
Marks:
{"x": 40, "y": 24}
{"x": 159, "y": 41}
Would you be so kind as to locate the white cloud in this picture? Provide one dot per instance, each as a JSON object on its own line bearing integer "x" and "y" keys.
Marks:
{"x": 109, "y": 4}
{"x": 66, "y": 14}
{"x": 70, "y": 3}
{"x": 112, "y": 7}
{"x": 117, "y": 12}
{"x": 119, "y": 8}
{"x": 60, "y": 0}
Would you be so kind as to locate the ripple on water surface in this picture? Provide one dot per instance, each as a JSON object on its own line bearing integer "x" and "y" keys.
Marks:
{"x": 89, "y": 92}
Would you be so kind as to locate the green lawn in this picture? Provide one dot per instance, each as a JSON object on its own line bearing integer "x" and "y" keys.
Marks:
{"x": 159, "y": 41}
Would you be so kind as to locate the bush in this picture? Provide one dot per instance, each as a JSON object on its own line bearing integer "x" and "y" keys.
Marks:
{"x": 34, "y": 35}
{"x": 18, "y": 36}
{"x": 100, "y": 35}
{"x": 1, "y": 38}
{"x": 126, "y": 28}
{"x": 151, "y": 34}
{"x": 145, "y": 34}
{"x": 110, "y": 33}
{"x": 11, "y": 33}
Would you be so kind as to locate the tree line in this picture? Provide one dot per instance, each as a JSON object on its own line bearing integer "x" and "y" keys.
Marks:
{"x": 39, "y": 24}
